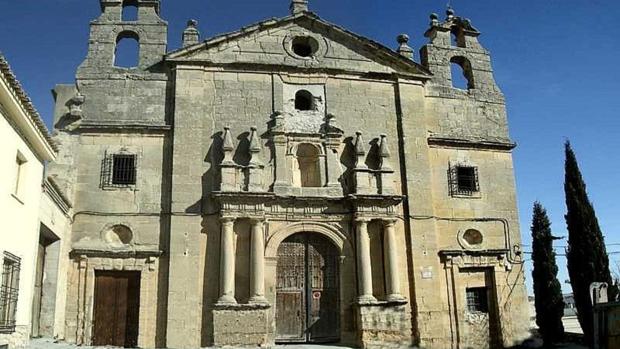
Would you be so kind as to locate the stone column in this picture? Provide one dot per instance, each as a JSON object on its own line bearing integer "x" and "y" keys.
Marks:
{"x": 227, "y": 262}
{"x": 364, "y": 269}
{"x": 257, "y": 263}
{"x": 390, "y": 256}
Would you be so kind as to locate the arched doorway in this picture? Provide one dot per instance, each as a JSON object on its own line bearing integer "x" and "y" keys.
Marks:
{"x": 307, "y": 291}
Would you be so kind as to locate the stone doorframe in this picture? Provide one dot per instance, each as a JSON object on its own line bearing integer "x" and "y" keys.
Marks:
{"x": 82, "y": 291}
{"x": 493, "y": 261}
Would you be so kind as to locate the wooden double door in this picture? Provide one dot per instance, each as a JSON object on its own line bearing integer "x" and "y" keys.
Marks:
{"x": 307, "y": 292}
{"x": 116, "y": 310}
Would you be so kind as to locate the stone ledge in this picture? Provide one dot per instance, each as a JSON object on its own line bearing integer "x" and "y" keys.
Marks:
{"x": 241, "y": 307}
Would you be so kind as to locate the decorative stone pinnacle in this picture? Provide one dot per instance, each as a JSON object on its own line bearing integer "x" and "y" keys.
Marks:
{"x": 449, "y": 13}
{"x": 254, "y": 145}
{"x": 359, "y": 144}
{"x": 191, "y": 35}
{"x": 404, "y": 49}
{"x": 299, "y": 6}
{"x": 434, "y": 20}
{"x": 228, "y": 142}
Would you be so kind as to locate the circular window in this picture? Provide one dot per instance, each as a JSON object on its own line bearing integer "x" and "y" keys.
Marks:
{"x": 304, "y": 46}
{"x": 473, "y": 237}
{"x": 118, "y": 235}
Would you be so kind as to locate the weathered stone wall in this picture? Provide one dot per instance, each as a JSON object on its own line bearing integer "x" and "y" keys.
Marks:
{"x": 249, "y": 79}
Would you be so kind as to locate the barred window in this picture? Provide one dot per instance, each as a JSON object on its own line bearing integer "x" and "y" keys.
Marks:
{"x": 477, "y": 300}
{"x": 118, "y": 170}
{"x": 463, "y": 180}
{"x": 9, "y": 290}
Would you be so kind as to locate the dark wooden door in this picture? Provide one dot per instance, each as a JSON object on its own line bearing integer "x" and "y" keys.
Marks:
{"x": 307, "y": 294}
{"x": 116, "y": 311}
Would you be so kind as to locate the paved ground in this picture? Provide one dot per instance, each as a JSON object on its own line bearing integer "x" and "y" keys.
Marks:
{"x": 43, "y": 343}
{"x": 49, "y": 344}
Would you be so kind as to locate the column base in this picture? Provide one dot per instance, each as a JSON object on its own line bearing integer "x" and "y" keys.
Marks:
{"x": 259, "y": 300}
{"x": 226, "y": 300}
{"x": 366, "y": 299}
{"x": 394, "y": 297}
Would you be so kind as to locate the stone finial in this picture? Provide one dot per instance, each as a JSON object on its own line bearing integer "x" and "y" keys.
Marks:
{"x": 360, "y": 152}
{"x": 434, "y": 19}
{"x": 384, "y": 153}
{"x": 299, "y": 6}
{"x": 449, "y": 14}
{"x": 404, "y": 49}
{"x": 228, "y": 147}
{"x": 191, "y": 35}
{"x": 254, "y": 148}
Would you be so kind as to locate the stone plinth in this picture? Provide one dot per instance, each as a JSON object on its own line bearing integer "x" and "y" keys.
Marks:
{"x": 242, "y": 325}
{"x": 383, "y": 324}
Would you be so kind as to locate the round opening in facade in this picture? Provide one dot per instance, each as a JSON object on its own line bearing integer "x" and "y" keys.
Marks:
{"x": 118, "y": 235}
{"x": 305, "y": 46}
{"x": 473, "y": 237}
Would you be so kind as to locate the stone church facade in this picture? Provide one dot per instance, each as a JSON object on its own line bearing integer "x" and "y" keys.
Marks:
{"x": 288, "y": 182}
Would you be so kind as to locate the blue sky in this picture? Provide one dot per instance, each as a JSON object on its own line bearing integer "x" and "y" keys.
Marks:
{"x": 556, "y": 61}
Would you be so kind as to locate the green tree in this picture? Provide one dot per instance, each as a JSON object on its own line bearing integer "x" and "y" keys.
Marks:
{"x": 586, "y": 254}
{"x": 547, "y": 289}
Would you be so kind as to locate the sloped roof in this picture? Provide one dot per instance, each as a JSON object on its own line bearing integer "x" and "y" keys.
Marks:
{"x": 7, "y": 74}
{"x": 377, "y": 47}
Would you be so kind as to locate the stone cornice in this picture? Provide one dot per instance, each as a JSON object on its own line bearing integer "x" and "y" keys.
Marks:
{"x": 471, "y": 144}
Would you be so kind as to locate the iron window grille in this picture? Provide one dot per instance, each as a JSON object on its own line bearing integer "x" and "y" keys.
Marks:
{"x": 463, "y": 180}
{"x": 118, "y": 170}
{"x": 9, "y": 291}
{"x": 477, "y": 300}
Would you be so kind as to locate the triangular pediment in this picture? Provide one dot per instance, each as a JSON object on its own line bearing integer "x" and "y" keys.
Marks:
{"x": 270, "y": 43}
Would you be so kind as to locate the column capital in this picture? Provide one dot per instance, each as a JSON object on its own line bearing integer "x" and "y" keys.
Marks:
{"x": 257, "y": 220}
{"x": 361, "y": 219}
{"x": 388, "y": 222}
{"x": 227, "y": 219}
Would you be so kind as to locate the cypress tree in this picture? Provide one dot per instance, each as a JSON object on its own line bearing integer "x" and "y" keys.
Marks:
{"x": 547, "y": 289}
{"x": 586, "y": 255}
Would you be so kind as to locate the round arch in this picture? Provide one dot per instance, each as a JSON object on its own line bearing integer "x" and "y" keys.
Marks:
{"x": 335, "y": 235}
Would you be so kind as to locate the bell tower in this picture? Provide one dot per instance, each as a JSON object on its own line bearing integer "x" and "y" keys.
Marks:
{"x": 146, "y": 28}
{"x": 455, "y": 41}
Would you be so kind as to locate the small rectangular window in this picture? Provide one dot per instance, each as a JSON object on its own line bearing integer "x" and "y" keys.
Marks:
{"x": 463, "y": 180}
{"x": 124, "y": 169}
{"x": 118, "y": 170}
{"x": 477, "y": 300}
{"x": 9, "y": 290}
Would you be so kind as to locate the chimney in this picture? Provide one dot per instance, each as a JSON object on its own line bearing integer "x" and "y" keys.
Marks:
{"x": 299, "y": 6}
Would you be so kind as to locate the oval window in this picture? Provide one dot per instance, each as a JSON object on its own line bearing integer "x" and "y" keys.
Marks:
{"x": 304, "y": 46}
{"x": 473, "y": 237}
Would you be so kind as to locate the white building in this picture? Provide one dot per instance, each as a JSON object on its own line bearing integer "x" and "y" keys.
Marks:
{"x": 26, "y": 146}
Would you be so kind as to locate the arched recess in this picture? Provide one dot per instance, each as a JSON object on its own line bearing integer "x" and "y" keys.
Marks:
{"x": 127, "y": 51}
{"x": 308, "y": 166}
{"x": 129, "y": 11}
{"x": 462, "y": 73}
{"x": 304, "y": 100}
{"x": 335, "y": 235}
